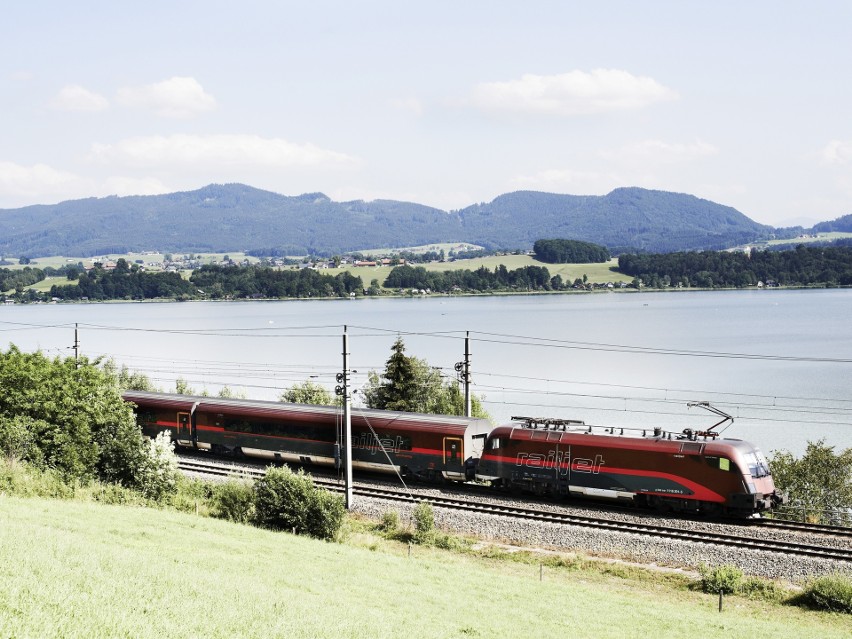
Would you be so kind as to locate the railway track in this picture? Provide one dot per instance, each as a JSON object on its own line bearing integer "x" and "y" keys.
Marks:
{"x": 798, "y": 526}
{"x": 538, "y": 515}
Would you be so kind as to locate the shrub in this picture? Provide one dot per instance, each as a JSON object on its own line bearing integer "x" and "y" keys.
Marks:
{"x": 725, "y": 579}
{"x": 424, "y": 523}
{"x": 452, "y": 542}
{"x": 115, "y": 494}
{"x": 285, "y": 500}
{"x": 831, "y": 592}
{"x": 17, "y": 440}
{"x": 390, "y": 522}
{"x": 192, "y": 496}
{"x": 234, "y": 500}
{"x": 157, "y": 474}
{"x": 20, "y": 479}
{"x": 123, "y": 452}
{"x": 765, "y": 589}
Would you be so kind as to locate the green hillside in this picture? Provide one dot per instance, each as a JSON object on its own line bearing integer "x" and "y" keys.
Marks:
{"x": 76, "y": 569}
{"x": 235, "y": 217}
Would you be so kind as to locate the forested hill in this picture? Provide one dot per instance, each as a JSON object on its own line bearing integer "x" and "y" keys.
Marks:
{"x": 630, "y": 219}
{"x": 235, "y": 217}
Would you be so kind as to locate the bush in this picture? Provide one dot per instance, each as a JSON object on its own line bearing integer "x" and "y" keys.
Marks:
{"x": 424, "y": 523}
{"x": 17, "y": 440}
{"x": 725, "y": 579}
{"x": 234, "y": 500}
{"x": 157, "y": 474}
{"x": 764, "y": 589}
{"x": 192, "y": 496}
{"x": 390, "y": 522}
{"x": 20, "y": 479}
{"x": 831, "y": 592}
{"x": 285, "y": 500}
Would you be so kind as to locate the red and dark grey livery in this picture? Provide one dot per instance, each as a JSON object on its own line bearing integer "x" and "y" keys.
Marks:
{"x": 561, "y": 457}
{"x": 423, "y": 446}
{"x": 688, "y": 472}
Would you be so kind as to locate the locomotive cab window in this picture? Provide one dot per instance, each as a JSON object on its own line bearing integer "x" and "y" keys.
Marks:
{"x": 722, "y": 463}
{"x": 757, "y": 464}
{"x": 495, "y": 443}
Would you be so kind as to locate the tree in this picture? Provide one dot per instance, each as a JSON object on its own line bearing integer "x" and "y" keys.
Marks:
{"x": 307, "y": 393}
{"x": 73, "y": 416}
{"x": 569, "y": 251}
{"x": 182, "y": 387}
{"x": 226, "y": 392}
{"x": 410, "y": 384}
{"x": 126, "y": 379}
{"x": 399, "y": 388}
{"x": 819, "y": 484}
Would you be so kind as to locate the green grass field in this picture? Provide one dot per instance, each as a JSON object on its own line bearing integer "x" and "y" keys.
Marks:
{"x": 820, "y": 237}
{"x": 78, "y": 569}
{"x": 605, "y": 272}
{"x": 595, "y": 272}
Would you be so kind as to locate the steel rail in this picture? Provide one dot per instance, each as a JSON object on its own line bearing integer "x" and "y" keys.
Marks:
{"x": 532, "y": 514}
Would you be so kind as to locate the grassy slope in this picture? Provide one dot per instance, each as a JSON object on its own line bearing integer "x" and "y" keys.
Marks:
{"x": 569, "y": 272}
{"x": 820, "y": 237}
{"x": 75, "y": 569}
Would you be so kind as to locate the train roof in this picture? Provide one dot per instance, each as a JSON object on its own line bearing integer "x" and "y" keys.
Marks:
{"x": 311, "y": 413}
{"x": 576, "y": 432}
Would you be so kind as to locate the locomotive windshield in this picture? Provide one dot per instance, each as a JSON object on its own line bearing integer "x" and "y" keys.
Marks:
{"x": 757, "y": 464}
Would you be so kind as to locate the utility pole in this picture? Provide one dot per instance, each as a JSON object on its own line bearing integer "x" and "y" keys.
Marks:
{"x": 343, "y": 389}
{"x": 463, "y": 371}
{"x": 76, "y": 346}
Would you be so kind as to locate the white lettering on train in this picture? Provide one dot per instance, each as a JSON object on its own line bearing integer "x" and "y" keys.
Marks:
{"x": 554, "y": 458}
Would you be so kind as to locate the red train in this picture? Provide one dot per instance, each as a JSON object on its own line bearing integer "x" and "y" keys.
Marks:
{"x": 427, "y": 447}
{"x": 690, "y": 474}
{"x": 544, "y": 456}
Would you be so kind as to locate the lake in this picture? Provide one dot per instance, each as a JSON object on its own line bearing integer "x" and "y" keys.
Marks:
{"x": 778, "y": 361}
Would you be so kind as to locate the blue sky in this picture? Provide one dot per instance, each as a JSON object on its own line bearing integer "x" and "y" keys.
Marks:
{"x": 444, "y": 103}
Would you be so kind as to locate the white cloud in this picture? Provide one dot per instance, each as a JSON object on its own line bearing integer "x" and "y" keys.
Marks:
{"x": 216, "y": 151}
{"x": 568, "y": 181}
{"x": 37, "y": 183}
{"x": 121, "y": 185}
{"x": 837, "y": 152}
{"x": 572, "y": 93}
{"x": 173, "y": 98}
{"x": 410, "y": 105}
{"x": 73, "y": 97}
{"x": 657, "y": 151}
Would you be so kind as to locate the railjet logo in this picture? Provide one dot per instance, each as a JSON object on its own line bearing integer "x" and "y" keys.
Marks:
{"x": 557, "y": 459}
{"x": 388, "y": 444}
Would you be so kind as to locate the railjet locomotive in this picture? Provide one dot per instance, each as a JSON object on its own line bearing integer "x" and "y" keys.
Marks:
{"x": 688, "y": 472}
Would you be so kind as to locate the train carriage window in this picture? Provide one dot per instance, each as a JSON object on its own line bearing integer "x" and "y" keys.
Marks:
{"x": 495, "y": 443}
{"x": 724, "y": 464}
{"x": 146, "y": 417}
{"x": 290, "y": 430}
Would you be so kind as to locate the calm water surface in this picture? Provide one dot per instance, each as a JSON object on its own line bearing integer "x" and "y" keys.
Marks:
{"x": 780, "y": 362}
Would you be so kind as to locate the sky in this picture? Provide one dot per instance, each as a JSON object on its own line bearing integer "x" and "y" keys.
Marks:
{"x": 447, "y": 104}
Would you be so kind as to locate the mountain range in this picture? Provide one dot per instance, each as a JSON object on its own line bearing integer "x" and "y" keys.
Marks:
{"x": 236, "y": 217}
